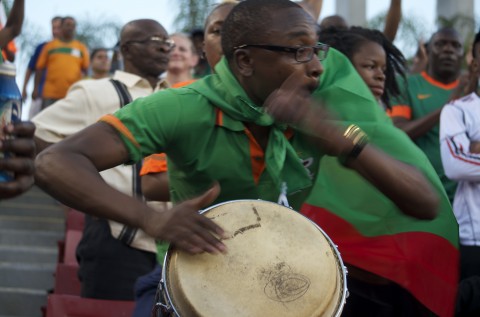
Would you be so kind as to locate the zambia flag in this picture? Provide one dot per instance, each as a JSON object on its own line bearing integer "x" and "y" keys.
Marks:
{"x": 370, "y": 231}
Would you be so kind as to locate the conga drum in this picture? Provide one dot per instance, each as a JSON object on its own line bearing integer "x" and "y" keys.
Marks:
{"x": 278, "y": 263}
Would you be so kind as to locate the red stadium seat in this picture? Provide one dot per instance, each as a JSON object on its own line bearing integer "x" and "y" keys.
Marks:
{"x": 75, "y": 220}
{"x": 60, "y": 305}
{"x": 72, "y": 238}
{"x": 66, "y": 280}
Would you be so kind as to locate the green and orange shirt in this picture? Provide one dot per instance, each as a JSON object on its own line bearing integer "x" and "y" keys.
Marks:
{"x": 420, "y": 96}
{"x": 65, "y": 63}
{"x": 205, "y": 142}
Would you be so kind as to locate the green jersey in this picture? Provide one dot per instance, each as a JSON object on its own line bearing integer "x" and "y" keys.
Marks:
{"x": 206, "y": 141}
{"x": 421, "y": 96}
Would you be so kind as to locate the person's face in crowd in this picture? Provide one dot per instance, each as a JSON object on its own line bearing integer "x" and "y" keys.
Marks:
{"x": 370, "y": 61}
{"x": 445, "y": 53}
{"x": 197, "y": 40}
{"x": 212, "y": 41}
{"x": 100, "y": 62}
{"x": 148, "y": 49}
{"x": 68, "y": 28}
{"x": 266, "y": 70}
{"x": 182, "y": 56}
{"x": 475, "y": 63}
{"x": 56, "y": 28}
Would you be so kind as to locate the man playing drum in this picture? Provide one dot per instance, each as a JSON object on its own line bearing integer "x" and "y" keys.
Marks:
{"x": 230, "y": 130}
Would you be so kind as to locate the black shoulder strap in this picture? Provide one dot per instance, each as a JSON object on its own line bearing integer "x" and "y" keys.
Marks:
{"x": 128, "y": 234}
{"x": 122, "y": 91}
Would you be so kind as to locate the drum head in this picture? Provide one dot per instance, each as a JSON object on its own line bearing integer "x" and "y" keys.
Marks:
{"x": 278, "y": 264}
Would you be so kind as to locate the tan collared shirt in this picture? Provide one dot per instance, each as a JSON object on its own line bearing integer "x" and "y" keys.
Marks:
{"x": 85, "y": 103}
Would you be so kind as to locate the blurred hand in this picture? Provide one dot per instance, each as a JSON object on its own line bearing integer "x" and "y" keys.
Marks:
{"x": 24, "y": 94}
{"x": 292, "y": 104}
{"x": 420, "y": 59}
{"x": 468, "y": 82}
{"x": 35, "y": 94}
{"x": 184, "y": 227}
{"x": 475, "y": 147}
{"x": 18, "y": 141}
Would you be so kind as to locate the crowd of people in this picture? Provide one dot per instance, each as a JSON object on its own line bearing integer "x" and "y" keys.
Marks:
{"x": 320, "y": 115}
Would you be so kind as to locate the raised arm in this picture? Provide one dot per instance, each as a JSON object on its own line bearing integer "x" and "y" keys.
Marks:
{"x": 313, "y": 6}
{"x": 418, "y": 127}
{"x": 13, "y": 27}
{"x": 392, "y": 21}
{"x": 69, "y": 171}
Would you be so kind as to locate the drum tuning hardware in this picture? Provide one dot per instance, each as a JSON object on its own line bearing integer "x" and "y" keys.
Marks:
{"x": 161, "y": 309}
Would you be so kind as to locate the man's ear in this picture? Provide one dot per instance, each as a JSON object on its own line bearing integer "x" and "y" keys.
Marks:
{"x": 244, "y": 62}
{"x": 124, "y": 50}
{"x": 474, "y": 65}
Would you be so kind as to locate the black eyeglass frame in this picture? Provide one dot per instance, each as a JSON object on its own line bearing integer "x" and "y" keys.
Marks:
{"x": 320, "y": 47}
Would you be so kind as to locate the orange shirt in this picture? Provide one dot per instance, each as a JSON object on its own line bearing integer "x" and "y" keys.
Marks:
{"x": 65, "y": 63}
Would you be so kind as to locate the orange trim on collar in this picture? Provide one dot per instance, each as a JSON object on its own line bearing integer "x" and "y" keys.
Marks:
{"x": 218, "y": 117}
{"x": 435, "y": 82}
{"x": 257, "y": 157}
{"x": 183, "y": 83}
{"x": 288, "y": 133}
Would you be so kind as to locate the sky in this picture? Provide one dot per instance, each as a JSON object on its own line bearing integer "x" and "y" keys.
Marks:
{"x": 39, "y": 12}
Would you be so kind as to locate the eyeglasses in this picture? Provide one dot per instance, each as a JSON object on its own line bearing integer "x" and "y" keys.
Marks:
{"x": 303, "y": 54}
{"x": 156, "y": 41}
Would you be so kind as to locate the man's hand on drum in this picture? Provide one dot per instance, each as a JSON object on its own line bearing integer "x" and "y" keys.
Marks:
{"x": 188, "y": 230}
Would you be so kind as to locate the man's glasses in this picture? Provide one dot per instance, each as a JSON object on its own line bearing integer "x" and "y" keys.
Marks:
{"x": 157, "y": 42}
{"x": 303, "y": 54}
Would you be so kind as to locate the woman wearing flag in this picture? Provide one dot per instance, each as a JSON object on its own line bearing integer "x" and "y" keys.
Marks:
{"x": 394, "y": 265}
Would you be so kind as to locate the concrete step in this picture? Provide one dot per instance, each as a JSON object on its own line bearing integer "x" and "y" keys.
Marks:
{"x": 37, "y": 276}
{"x": 30, "y": 226}
{"x": 31, "y": 210}
{"x": 32, "y": 238}
{"x": 28, "y": 254}
{"x": 20, "y": 302}
{"x": 32, "y": 223}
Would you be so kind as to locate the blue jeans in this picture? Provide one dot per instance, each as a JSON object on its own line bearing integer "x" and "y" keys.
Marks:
{"x": 145, "y": 290}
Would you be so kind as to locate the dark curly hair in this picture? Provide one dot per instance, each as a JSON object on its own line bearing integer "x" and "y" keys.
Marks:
{"x": 350, "y": 40}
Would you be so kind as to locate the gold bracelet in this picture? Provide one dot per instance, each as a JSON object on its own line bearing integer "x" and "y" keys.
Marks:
{"x": 359, "y": 140}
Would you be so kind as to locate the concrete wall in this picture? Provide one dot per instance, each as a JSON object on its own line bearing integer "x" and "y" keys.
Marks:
{"x": 354, "y": 11}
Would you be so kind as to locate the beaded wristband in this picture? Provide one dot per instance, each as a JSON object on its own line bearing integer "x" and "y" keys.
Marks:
{"x": 359, "y": 140}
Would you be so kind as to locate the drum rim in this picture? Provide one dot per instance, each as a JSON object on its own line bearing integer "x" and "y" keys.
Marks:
{"x": 339, "y": 308}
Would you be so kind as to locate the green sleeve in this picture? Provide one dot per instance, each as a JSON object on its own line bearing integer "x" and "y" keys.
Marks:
{"x": 148, "y": 125}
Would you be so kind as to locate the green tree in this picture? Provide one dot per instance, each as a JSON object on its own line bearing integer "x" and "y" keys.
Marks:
{"x": 98, "y": 31}
{"x": 192, "y": 14}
